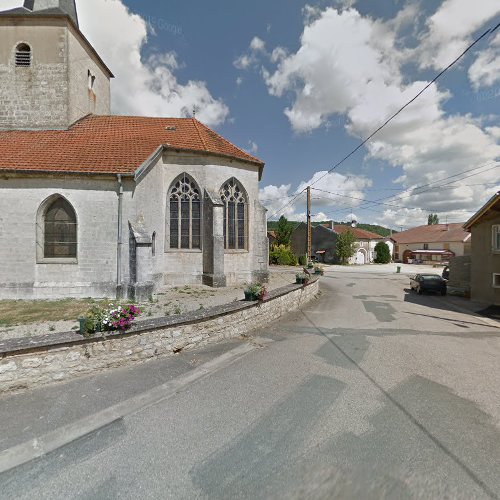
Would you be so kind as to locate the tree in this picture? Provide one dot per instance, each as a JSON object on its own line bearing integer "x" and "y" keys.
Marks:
{"x": 432, "y": 219}
{"x": 383, "y": 253}
{"x": 283, "y": 231}
{"x": 345, "y": 246}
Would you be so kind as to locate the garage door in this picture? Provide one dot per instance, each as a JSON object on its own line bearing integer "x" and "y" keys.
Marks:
{"x": 360, "y": 257}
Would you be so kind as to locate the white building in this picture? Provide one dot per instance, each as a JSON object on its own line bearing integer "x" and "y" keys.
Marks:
{"x": 99, "y": 205}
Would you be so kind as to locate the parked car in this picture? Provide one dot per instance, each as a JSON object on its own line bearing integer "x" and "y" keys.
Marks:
{"x": 446, "y": 273}
{"x": 428, "y": 283}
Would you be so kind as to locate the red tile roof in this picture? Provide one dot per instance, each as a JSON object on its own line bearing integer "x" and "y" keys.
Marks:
{"x": 436, "y": 233}
{"x": 110, "y": 144}
{"x": 359, "y": 234}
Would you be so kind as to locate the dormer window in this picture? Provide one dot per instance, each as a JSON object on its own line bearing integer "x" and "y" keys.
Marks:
{"x": 23, "y": 55}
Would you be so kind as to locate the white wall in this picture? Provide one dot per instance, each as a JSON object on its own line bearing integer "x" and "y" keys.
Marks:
{"x": 150, "y": 208}
{"x": 95, "y": 203}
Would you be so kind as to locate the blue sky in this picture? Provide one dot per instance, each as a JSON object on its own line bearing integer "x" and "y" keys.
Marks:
{"x": 300, "y": 84}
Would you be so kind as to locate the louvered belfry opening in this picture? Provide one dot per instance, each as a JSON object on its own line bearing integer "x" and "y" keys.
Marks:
{"x": 185, "y": 214}
{"x": 23, "y": 55}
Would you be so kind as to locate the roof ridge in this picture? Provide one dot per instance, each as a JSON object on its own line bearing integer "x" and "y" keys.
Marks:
{"x": 254, "y": 158}
{"x": 195, "y": 121}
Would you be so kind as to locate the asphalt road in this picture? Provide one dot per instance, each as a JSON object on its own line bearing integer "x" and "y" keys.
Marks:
{"x": 370, "y": 392}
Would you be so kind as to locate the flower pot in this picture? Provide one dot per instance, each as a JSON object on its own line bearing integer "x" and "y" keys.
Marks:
{"x": 249, "y": 296}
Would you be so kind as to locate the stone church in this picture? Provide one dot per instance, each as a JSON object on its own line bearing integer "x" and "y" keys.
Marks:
{"x": 98, "y": 205}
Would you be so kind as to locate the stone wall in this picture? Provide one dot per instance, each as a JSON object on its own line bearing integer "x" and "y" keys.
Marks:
{"x": 150, "y": 209}
{"x": 54, "y": 91}
{"x": 27, "y": 363}
{"x": 95, "y": 201}
{"x": 460, "y": 275}
{"x": 36, "y": 96}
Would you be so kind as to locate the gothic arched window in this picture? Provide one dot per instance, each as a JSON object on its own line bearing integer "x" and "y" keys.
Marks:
{"x": 23, "y": 55}
{"x": 235, "y": 203}
{"x": 59, "y": 230}
{"x": 185, "y": 214}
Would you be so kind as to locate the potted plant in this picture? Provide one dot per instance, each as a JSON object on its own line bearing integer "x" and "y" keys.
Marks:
{"x": 301, "y": 278}
{"x": 100, "y": 319}
{"x": 263, "y": 295}
{"x": 319, "y": 270}
{"x": 253, "y": 291}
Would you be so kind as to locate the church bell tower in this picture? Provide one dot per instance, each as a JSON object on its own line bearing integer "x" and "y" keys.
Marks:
{"x": 51, "y": 75}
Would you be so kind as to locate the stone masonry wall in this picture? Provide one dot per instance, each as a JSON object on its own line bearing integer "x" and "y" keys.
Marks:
{"x": 38, "y": 364}
{"x": 37, "y": 96}
{"x": 460, "y": 274}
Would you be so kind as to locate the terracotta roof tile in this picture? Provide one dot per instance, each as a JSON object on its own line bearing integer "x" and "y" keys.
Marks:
{"x": 436, "y": 233}
{"x": 359, "y": 234}
{"x": 110, "y": 144}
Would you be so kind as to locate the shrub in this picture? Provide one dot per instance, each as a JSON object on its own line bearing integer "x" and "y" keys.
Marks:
{"x": 99, "y": 318}
{"x": 282, "y": 255}
{"x": 383, "y": 253}
{"x": 303, "y": 260}
{"x": 302, "y": 278}
{"x": 256, "y": 291}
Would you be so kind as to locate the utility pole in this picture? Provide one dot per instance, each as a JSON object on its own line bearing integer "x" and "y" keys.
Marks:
{"x": 309, "y": 231}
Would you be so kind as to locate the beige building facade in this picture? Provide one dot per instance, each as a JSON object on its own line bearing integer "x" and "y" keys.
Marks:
{"x": 485, "y": 266}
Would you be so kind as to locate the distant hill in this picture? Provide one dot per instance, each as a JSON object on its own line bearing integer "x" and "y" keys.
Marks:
{"x": 383, "y": 231}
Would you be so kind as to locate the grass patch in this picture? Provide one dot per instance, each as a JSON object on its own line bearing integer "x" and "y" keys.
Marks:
{"x": 25, "y": 312}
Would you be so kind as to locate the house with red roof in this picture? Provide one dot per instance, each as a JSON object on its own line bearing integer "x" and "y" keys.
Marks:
{"x": 97, "y": 205}
{"x": 431, "y": 244}
{"x": 324, "y": 241}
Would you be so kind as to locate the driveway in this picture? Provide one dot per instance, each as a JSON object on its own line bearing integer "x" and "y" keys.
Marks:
{"x": 370, "y": 392}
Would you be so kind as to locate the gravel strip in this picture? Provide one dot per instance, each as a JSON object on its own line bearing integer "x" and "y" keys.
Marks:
{"x": 169, "y": 301}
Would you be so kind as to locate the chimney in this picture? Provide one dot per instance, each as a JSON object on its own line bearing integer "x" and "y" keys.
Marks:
{"x": 332, "y": 226}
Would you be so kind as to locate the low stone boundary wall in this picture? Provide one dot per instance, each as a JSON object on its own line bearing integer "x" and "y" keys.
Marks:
{"x": 30, "y": 362}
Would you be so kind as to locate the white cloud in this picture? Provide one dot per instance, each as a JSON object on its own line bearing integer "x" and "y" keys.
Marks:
{"x": 252, "y": 147}
{"x": 257, "y": 44}
{"x": 239, "y": 81}
{"x": 336, "y": 189}
{"x": 485, "y": 71}
{"x": 340, "y": 55}
{"x": 244, "y": 61}
{"x": 450, "y": 29}
{"x": 143, "y": 86}
{"x": 278, "y": 54}
{"x": 349, "y": 65}
{"x": 256, "y": 48}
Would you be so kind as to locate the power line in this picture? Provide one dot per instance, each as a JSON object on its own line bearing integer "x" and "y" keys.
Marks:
{"x": 289, "y": 203}
{"x": 357, "y": 148}
{"x": 414, "y": 191}
{"x": 418, "y": 190}
{"x": 491, "y": 30}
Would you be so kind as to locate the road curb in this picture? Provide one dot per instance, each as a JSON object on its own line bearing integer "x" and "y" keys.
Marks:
{"x": 39, "y": 447}
{"x": 487, "y": 321}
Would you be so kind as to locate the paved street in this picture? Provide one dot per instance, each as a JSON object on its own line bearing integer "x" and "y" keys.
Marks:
{"x": 371, "y": 391}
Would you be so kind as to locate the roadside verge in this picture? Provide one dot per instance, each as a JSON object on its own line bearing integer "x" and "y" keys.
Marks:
{"x": 31, "y": 362}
